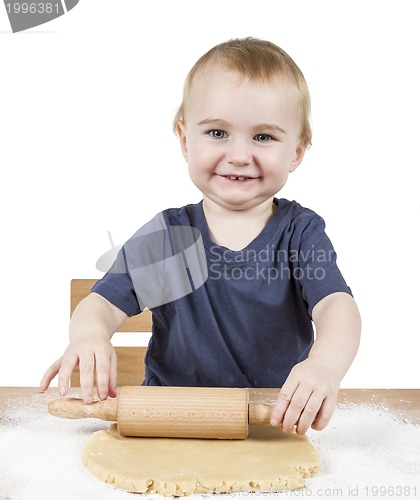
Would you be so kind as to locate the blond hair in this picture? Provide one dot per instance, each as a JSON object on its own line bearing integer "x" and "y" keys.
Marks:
{"x": 258, "y": 60}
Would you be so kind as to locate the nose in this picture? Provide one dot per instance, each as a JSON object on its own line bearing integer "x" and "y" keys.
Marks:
{"x": 238, "y": 153}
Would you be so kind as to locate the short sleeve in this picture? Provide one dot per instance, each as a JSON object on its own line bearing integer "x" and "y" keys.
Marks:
{"x": 117, "y": 287}
{"x": 318, "y": 273}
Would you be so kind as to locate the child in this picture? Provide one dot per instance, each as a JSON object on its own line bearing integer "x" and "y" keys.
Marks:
{"x": 270, "y": 271}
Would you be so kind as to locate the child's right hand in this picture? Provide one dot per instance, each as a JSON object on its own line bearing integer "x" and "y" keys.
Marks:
{"x": 94, "y": 356}
{"x": 91, "y": 327}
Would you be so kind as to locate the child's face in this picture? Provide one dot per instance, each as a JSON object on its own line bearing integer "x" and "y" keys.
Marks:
{"x": 240, "y": 138}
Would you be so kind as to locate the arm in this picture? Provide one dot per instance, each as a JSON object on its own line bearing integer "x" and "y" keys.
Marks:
{"x": 92, "y": 325}
{"x": 309, "y": 395}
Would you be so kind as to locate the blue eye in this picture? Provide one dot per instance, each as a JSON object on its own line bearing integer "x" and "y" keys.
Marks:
{"x": 263, "y": 138}
{"x": 217, "y": 134}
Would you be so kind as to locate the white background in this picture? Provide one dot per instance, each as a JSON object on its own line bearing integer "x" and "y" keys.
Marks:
{"x": 86, "y": 147}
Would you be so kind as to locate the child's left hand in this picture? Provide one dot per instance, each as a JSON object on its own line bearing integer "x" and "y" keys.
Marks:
{"x": 307, "y": 398}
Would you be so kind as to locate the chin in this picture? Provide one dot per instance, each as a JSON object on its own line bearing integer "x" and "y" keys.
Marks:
{"x": 239, "y": 204}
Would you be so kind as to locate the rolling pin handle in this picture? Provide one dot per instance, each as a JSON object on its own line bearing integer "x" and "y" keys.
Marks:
{"x": 76, "y": 408}
{"x": 259, "y": 413}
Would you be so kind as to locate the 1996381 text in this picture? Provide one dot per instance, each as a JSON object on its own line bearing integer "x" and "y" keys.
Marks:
{"x": 33, "y": 8}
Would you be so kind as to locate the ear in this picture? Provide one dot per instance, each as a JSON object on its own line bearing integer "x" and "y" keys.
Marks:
{"x": 182, "y": 136}
{"x": 300, "y": 153}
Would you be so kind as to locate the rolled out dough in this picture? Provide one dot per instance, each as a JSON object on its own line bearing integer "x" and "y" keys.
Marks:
{"x": 267, "y": 461}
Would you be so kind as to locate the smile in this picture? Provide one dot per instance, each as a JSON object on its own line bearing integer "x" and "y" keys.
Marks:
{"x": 238, "y": 177}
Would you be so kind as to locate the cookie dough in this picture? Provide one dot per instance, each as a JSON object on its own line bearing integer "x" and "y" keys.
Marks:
{"x": 267, "y": 461}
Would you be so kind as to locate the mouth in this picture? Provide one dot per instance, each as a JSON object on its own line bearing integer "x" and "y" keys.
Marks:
{"x": 241, "y": 178}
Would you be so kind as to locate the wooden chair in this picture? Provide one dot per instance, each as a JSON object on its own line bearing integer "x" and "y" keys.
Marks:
{"x": 130, "y": 359}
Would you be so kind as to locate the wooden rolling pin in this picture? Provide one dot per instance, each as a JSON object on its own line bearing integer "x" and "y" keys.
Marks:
{"x": 188, "y": 412}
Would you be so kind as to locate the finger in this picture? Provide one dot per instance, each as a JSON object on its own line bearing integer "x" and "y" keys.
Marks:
{"x": 295, "y": 408}
{"x": 102, "y": 368}
{"x": 325, "y": 414}
{"x": 283, "y": 401}
{"x": 309, "y": 413}
{"x": 113, "y": 376}
{"x": 67, "y": 363}
{"x": 49, "y": 375}
{"x": 86, "y": 368}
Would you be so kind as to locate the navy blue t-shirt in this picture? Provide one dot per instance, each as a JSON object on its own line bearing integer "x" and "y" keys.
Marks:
{"x": 250, "y": 322}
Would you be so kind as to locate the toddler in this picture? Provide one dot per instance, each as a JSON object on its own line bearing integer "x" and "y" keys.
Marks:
{"x": 255, "y": 272}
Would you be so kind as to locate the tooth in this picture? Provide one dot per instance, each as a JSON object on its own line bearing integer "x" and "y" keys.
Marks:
{"x": 233, "y": 177}
{"x": 241, "y": 178}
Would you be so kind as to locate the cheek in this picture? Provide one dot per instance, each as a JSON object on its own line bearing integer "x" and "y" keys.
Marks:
{"x": 197, "y": 164}
{"x": 275, "y": 163}
{"x": 276, "y": 169}
{"x": 280, "y": 160}
{"x": 202, "y": 157}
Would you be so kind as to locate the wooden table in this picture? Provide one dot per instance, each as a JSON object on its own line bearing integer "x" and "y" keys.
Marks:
{"x": 404, "y": 403}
